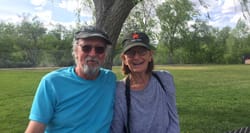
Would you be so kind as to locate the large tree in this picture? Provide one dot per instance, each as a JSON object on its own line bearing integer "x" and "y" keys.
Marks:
{"x": 110, "y": 16}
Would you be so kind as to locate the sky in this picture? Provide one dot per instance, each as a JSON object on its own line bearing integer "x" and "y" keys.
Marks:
{"x": 222, "y": 12}
{"x": 49, "y": 12}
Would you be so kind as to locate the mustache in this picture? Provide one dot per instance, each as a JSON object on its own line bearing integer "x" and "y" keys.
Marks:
{"x": 92, "y": 59}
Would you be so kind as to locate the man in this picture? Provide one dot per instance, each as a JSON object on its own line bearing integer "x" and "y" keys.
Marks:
{"x": 77, "y": 98}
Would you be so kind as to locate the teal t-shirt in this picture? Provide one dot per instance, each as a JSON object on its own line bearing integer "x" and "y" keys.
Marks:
{"x": 67, "y": 103}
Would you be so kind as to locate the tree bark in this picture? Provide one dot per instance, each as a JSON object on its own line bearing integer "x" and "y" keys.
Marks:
{"x": 110, "y": 16}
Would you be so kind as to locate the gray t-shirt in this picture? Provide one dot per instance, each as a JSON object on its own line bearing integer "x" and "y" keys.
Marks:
{"x": 152, "y": 109}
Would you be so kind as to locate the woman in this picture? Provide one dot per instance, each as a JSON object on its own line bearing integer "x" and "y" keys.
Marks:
{"x": 145, "y": 99}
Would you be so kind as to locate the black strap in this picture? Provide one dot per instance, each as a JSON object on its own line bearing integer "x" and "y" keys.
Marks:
{"x": 127, "y": 94}
{"x": 159, "y": 80}
{"x": 128, "y": 100}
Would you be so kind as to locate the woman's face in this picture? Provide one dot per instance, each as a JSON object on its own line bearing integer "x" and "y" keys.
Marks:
{"x": 137, "y": 59}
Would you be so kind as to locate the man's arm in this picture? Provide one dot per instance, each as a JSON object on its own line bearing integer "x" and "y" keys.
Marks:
{"x": 35, "y": 127}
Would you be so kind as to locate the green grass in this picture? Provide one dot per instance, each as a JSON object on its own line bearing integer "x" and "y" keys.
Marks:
{"x": 17, "y": 90}
{"x": 210, "y": 98}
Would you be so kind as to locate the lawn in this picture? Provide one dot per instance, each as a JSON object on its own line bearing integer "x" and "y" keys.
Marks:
{"x": 210, "y": 98}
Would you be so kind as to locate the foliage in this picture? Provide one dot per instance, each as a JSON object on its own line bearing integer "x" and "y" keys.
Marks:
{"x": 31, "y": 44}
{"x": 110, "y": 16}
{"x": 173, "y": 16}
{"x": 141, "y": 18}
{"x": 28, "y": 45}
{"x": 160, "y": 56}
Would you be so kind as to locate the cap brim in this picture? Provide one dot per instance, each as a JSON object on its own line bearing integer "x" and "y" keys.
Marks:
{"x": 135, "y": 45}
{"x": 84, "y": 36}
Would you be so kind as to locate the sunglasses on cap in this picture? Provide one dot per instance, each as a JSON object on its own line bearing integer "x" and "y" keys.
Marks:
{"x": 88, "y": 48}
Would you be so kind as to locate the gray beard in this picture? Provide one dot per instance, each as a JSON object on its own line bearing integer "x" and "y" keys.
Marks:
{"x": 90, "y": 71}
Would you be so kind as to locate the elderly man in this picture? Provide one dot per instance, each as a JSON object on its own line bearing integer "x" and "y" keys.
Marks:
{"x": 77, "y": 98}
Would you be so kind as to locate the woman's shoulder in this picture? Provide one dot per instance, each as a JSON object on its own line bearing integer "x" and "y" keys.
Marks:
{"x": 120, "y": 90}
{"x": 121, "y": 84}
{"x": 166, "y": 79}
{"x": 163, "y": 73}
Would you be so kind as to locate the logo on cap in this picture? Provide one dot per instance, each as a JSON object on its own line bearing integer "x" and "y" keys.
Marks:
{"x": 135, "y": 36}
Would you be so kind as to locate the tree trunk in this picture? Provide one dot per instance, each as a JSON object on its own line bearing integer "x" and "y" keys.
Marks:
{"x": 110, "y": 16}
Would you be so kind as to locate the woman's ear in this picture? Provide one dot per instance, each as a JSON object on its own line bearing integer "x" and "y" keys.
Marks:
{"x": 123, "y": 59}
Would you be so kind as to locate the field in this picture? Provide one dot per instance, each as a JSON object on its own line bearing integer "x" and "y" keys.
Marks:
{"x": 210, "y": 98}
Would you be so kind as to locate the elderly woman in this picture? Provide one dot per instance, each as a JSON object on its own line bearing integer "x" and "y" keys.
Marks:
{"x": 145, "y": 99}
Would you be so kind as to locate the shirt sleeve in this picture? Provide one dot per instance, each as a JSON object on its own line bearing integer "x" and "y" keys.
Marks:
{"x": 168, "y": 82}
{"x": 43, "y": 103}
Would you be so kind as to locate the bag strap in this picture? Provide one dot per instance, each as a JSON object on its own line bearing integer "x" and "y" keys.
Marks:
{"x": 127, "y": 94}
{"x": 159, "y": 80}
{"x": 128, "y": 100}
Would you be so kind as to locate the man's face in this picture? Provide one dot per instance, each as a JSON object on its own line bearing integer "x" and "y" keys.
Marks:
{"x": 90, "y": 55}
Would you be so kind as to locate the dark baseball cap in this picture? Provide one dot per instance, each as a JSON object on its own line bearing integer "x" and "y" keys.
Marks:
{"x": 91, "y": 31}
{"x": 136, "y": 39}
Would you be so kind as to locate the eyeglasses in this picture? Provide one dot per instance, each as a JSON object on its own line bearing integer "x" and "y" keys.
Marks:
{"x": 140, "y": 51}
{"x": 88, "y": 48}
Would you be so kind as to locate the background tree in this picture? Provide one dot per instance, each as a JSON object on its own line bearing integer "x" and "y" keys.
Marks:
{"x": 57, "y": 47}
{"x": 141, "y": 18}
{"x": 174, "y": 16}
{"x": 238, "y": 43}
{"x": 221, "y": 37}
{"x": 198, "y": 43}
{"x": 8, "y": 34}
{"x": 110, "y": 16}
{"x": 31, "y": 44}
{"x": 29, "y": 34}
